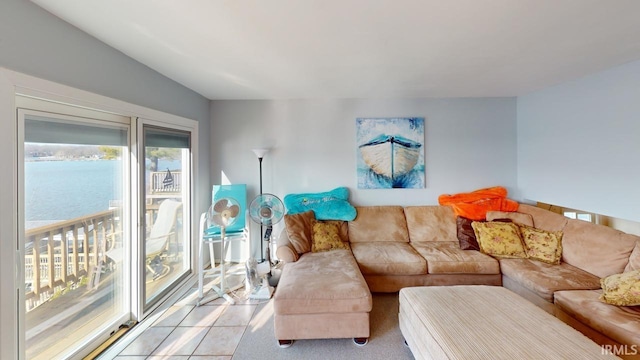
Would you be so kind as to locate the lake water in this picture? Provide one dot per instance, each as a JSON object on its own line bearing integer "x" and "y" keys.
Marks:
{"x": 62, "y": 190}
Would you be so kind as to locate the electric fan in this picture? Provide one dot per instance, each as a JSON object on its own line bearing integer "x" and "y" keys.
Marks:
{"x": 266, "y": 210}
{"x": 223, "y": 214}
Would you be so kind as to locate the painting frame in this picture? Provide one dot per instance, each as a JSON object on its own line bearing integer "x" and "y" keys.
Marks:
{"x": 390, "y": 152}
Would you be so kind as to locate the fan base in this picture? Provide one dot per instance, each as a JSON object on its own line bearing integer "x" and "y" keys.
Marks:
{"x": 264, "y": 292}
{"x": 219, "y": 293}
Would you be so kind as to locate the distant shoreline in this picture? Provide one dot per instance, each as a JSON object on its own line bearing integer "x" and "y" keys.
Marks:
{"x": 39, "y": 159}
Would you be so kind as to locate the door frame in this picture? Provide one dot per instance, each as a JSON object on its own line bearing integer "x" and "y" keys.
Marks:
{"x": 13, "y": 83}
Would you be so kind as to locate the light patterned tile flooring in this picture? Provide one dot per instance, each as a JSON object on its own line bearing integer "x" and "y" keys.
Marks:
{"x": 184, "y": 331}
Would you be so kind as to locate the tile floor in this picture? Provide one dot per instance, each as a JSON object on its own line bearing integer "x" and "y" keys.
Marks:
{"x": 185, "y": 331}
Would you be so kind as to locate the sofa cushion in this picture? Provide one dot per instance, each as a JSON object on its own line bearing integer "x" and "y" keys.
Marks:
{"x": 620, "y": 323}
{"x": 499, "y": 239}
{"x": 343, "y": 226}
{"x": 466, "y": 236}
{"x": 388, "y": 258}
{"x": 324, "y": 282}
{"x": 326, "y": 237}
{"x": 430, "y": 223}
{"x": 299, "y": 229}
{"x": 446, "y": 257}
{"x": 621, "y": 289}
{"x": 544, "y": 219}
{"x": 545, "y": 279}
{"x": 634, "y": 258}
{"x": 286, "y": 253}
{"x": 284, "y": 249}
{"x": 542, "y": 245}
{"x": 378, "y": 223}
{"x": 516, "y": 217}
{"x": 598, "y": 249}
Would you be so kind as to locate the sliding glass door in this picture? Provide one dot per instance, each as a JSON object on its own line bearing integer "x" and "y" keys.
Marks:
{"x": 103, "y": 228}
{"x": 74, "y": 180}
{"x": 166, "y": 231}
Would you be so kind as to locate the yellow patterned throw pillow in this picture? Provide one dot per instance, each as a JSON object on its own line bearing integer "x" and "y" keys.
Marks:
{"x": 326, "y": 236}
{"x": 499, "y": 239}
{"x": 621, "y": 289}
{"x": 541, "y": 245}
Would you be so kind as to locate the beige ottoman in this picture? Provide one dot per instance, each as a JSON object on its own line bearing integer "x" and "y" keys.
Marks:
{"x": 322, "y": 295}
{"x": 485, "y": 322}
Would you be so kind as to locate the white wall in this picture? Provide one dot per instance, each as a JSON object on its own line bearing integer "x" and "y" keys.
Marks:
{"x": 470, "y": 144}
{"x": 578, "y": 143}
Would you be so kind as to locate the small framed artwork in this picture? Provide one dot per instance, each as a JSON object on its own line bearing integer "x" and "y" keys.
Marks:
{"x": 390, "y": 153}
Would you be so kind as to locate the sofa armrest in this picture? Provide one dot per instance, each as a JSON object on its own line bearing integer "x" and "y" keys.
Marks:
{"x": 284, "y": 250}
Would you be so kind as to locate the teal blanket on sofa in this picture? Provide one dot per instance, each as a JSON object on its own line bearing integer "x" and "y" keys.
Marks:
{"x": 330, "y": 205}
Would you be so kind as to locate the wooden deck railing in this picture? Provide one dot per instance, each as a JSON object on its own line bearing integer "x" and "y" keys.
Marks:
{"x": 61, "y": 254}
{"x": 159, "y": 186}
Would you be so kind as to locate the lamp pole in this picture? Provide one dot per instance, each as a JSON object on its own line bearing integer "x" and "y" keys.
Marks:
{"x": 260, "y": 162}
{"x": 261, "y": 229}
{"x": 260, "y": 153}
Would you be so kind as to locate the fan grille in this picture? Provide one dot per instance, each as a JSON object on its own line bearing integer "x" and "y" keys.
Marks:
{"x": 223, "y": 213}
{"x": 266, "y": 209}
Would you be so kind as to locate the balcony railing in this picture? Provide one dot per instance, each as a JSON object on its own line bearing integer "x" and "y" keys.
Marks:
{"x": 62, "y": 254}
{"x": 159, "y": 183}
{"x": 72, "y": 253}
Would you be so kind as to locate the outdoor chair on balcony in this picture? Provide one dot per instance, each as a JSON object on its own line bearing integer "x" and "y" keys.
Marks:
{"x": 158, "y": 241}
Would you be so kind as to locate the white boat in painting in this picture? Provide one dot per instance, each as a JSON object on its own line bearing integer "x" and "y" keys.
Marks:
{"x": 391, "y": 155}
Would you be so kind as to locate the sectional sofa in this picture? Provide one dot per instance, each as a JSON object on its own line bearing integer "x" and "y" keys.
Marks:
{"x": 328, "y": 294}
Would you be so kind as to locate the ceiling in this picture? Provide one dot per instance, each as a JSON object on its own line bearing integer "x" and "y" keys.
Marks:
{"x": 291, "y": 49}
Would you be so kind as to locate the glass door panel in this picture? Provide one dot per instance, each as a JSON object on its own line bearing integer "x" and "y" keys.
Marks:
{"x": 75, "y": 176}
{"x": 166, "y": 251}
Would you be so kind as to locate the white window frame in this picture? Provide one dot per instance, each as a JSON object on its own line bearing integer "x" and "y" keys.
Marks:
{"x": 38, "y": 107}
{"x": 11, "y": 286}
{"x": 188, "y": 203}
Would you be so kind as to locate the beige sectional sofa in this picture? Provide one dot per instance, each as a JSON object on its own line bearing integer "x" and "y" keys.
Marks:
{"x": 395, "y": 247}
{"x": 571, "y": 290}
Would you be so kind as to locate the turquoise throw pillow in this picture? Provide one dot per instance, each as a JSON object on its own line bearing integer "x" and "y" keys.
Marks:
{"x": 330, "y": 205}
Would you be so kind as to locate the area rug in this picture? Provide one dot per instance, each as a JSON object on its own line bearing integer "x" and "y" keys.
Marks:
{"x": 385, "y": 342}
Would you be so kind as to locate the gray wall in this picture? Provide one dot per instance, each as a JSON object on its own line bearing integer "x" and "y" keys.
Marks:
{"x": 469, "y": 143}
{"x": 578, "y": 143}
{"x": 34, "y": 42}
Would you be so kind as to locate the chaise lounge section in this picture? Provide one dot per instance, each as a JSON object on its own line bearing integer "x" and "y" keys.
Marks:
{"x": 322, "y": 295}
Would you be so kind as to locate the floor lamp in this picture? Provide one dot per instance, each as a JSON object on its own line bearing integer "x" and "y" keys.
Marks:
{"x": 260, "y": 153}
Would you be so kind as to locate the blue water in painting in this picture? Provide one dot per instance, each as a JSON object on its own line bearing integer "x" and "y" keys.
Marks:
{"x": 63, "y": 190}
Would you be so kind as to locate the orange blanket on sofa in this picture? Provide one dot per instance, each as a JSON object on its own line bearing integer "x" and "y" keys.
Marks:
{"x": 474, "y": 205}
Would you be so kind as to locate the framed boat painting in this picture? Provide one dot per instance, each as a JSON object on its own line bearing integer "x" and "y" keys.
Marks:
{"x": 390, "y": 153}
